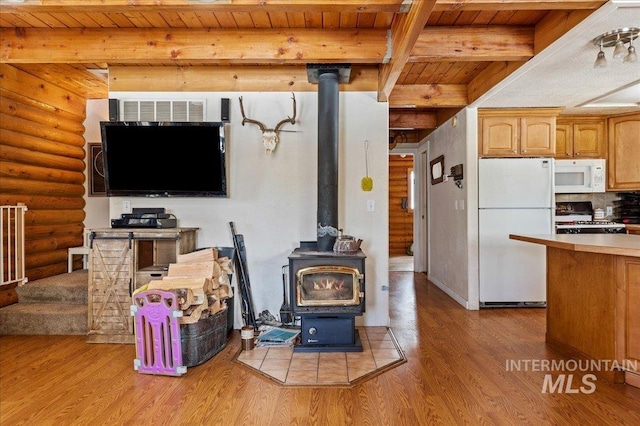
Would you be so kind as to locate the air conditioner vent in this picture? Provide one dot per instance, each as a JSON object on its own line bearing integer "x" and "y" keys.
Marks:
{"x": 152, "y": 110}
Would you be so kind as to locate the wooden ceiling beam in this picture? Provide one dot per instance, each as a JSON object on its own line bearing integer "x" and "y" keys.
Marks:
{"x": 405, "y": 30}
{"x": 490, "y": 77}
{"x": 412, "y": 119}
{"x": 474, "y": 43}
{"x": 182, "y": 45}
{"x": 231, "y": 78}
{"x": 123, "y": 6}
{"x": 555, "y": 24}
{"x": 362, "y": 6}
{"x": 428, "y": 95}
{"x": 485, "y": 5}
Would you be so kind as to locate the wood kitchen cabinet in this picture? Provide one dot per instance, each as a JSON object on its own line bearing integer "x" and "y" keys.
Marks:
{"x": 593, "y": 294}
{"x": 623, "y": 160}
{"x": 121, "y": 260}
{"x": 517, "y": 133}
{"x": 627, "y": 318}
{"x": 633, "y": 229}
{"x": 580, "y": 137}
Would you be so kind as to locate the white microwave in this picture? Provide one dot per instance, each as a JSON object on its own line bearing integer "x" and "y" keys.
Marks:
{"x": 579, "y": 176}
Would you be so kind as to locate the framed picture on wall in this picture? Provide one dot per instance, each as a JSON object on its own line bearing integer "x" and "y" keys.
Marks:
{"x": 437, "y": 170}
{"x": 96, "y": 171}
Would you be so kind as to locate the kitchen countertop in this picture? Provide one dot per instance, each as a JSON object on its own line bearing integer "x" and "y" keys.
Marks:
{"x": 615, "y": 244}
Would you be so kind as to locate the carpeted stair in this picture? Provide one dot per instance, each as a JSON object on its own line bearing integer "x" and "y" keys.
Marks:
{"x": 55, "y": 305}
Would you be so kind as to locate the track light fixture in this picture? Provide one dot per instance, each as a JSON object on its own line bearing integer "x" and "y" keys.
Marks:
{"x": 617, "y": 39}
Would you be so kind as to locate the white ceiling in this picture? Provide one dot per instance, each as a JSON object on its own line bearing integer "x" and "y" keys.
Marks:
{"x": 562, "y": 75}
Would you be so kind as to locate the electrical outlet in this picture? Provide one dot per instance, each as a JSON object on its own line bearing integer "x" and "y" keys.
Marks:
{"x": 609, "y": 211}
{"x": 371, "y": 205}
{"x": 126, "y": 206}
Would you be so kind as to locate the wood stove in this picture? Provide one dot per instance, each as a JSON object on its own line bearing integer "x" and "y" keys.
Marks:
{"x": 327, "y": 289}
{"x": 327, "y": 292}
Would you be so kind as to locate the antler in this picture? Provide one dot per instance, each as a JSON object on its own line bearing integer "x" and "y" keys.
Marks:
{"x": 248, "y": 120}
{"x": 270, "y": 137}
{"x": 291, "y": 120}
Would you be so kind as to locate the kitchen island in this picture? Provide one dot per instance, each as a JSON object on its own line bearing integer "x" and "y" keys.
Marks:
{"x": 593, "y": 297}
{"x": 633, "y": 229}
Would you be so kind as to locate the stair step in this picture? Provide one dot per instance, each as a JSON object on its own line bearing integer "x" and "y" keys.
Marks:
{"x": 71, "y": 288}
{"x": 44, "y": 318}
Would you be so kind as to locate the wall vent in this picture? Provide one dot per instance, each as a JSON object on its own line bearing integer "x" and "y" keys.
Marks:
{"x": 154, "y": 110}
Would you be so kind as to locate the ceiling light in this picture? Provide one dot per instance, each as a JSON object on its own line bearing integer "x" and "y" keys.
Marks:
{"x": 601, "y": 61}
{"x": 631, "y": 56}
{"x": 619, "y": 52}
{"x": 617, "y": 38}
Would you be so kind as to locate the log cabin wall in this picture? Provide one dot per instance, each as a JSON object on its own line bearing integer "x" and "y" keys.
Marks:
{"x": 400, "y": 219}
{"x": 42, "y": 164}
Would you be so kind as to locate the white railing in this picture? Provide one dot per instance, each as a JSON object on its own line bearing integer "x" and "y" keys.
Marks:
{"x": 12, "y": 247}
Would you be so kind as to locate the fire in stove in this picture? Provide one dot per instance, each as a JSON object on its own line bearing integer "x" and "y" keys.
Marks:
{"x": 328, "y": 285}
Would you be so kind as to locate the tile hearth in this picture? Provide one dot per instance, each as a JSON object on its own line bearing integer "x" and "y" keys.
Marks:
{"x": 288, "y": 368}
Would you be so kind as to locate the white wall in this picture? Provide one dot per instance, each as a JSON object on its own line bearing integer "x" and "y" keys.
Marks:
{"x": 272, "y": 199}
{"x": 96, "y": 208}
{"x": 451, "y": 210}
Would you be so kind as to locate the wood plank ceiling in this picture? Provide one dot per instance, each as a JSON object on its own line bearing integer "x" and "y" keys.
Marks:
{"x": 431, "y": 57}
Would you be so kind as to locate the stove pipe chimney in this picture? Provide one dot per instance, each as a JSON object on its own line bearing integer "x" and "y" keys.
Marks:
{"x": 328, "y": 78}
{"x": 327, "y": 160}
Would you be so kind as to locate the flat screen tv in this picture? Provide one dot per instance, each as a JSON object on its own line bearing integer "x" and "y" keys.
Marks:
{"x": 164, "y": 159}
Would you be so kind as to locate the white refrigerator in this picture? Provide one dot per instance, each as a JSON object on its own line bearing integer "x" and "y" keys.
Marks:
{"x": 515, "y": 196}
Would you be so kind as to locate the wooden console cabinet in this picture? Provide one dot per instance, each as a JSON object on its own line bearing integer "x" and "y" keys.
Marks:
{"x": 120, "y": 261}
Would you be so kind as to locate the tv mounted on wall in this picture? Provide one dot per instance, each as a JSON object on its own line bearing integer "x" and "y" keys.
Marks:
{"x": 164, "y": 159}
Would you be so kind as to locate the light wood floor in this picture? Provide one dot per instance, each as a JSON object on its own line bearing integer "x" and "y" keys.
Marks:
{"x": 401, "y": 263}
{"x": 455, "y": 374}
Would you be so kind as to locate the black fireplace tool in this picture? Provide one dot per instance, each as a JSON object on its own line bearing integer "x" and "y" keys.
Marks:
{"x": 285, "y": 309}
{"x": 248, "y": 311}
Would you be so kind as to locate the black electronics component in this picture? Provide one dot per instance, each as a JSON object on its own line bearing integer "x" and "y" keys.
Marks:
{"x": 144, "y": 222}
{"x": 147, "y": 210}
{"x": 224, "y": 110}
{"x": 114, "y": 110}
{"x": 192, "y": 163}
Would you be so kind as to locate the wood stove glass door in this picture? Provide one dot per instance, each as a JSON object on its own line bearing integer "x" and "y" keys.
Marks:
{"x": 328, "y": 286}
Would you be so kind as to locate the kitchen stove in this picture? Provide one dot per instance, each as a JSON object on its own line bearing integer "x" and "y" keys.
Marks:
{"x": 576, "y": 217}
{"x": 590, "y": 227}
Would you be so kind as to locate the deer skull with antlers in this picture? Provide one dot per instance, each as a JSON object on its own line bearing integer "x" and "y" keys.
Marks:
{"x": 270, "y": 137}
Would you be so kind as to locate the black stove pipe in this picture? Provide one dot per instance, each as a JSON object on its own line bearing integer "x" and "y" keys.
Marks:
{"x": 328, "y": 91}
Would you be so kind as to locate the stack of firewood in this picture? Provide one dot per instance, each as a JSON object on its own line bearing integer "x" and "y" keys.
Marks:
{"x": 200, "y": 280}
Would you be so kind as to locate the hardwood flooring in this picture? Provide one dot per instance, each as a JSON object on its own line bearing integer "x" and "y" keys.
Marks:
{"x": 456, "y": 373}
{"x": 399, "y": 263}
